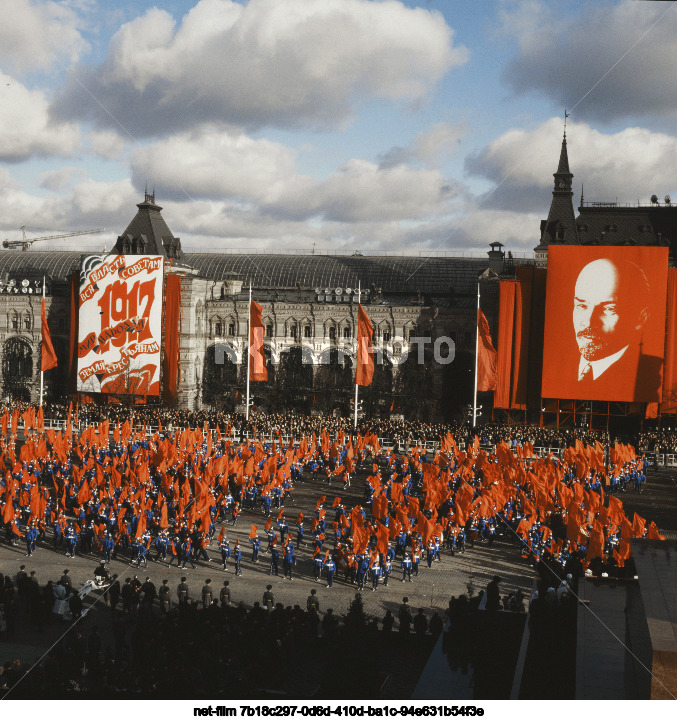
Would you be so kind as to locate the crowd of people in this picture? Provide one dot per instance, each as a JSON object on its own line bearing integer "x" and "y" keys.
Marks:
{"x": 397, "y": 431}
{"x": 167, "y": 495}
{"x": 234, "y": 650}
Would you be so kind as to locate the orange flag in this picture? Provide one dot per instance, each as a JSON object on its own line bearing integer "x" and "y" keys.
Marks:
{"x": 365, "y": 352}
{"x": 486, "y": 355}
{"x": 257, "y": 365}
{"x": 48, "y": 359}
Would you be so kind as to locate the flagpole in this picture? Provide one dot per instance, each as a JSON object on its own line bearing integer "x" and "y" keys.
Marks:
{"x": 249, "y": 341}
{"x": 477, "y": 350}
{"x": 42, "y": 373}
{"x": 359, "y": 295}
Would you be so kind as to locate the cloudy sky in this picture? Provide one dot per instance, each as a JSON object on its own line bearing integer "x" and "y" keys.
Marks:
{"x": 336, "y": 124}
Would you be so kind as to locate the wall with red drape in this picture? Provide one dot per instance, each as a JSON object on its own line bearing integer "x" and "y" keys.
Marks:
{"x": 170, "y": 361}
{"x": 669, "y": 404}
{"x": 520, "y": 352}
{"x": 506, "y": 319}
{"x": 520, "y": 330}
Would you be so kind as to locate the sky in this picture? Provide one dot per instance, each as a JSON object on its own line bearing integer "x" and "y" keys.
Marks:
{"x": 329, "y": 125}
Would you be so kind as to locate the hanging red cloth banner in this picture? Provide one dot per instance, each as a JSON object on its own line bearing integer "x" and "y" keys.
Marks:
{"x": 257, "y": 358}
{"x": 170, "y": 362}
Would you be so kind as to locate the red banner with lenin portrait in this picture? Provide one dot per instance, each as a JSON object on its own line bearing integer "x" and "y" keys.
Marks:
{"x": 604, "y": 329}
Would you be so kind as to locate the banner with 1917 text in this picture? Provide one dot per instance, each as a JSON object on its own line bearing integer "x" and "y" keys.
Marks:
{"x": 120, "y": 324}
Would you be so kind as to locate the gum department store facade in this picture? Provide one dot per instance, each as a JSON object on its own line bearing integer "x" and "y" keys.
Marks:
{"x": 310, "y": 312}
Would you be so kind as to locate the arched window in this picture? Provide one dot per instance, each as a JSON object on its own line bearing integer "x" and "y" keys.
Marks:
{"x": 307, "y": 331}
{"x": 346, "y": 333}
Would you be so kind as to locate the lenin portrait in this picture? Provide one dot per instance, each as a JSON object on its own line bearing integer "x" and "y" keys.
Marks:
{"x": 604, "y": 323}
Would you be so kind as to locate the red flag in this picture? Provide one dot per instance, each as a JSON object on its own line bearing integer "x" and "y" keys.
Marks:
{"x": 365, "y": 351}
{"x": 257, "y": 365}
{"x": 48, "y": 359}
{"x": 486, "y": 355}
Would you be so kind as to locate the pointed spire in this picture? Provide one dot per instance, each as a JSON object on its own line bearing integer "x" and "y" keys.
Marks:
{"x": 563, "y": 167}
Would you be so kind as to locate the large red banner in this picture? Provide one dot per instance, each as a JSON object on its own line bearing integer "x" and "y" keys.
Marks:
{"x": 119, "y": 324}
{"x": 604, "y": 323}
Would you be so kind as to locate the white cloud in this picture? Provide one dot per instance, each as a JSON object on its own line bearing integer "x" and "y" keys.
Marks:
{"x": 433, "y": 146}
{"x": 361, "y": 191}
{"x": 260, "y": 176}
{"x": 62, "y": 179}
{"x": 35, "y": 34}
{"x": 284, "y": 63}
{"x": 208, "y": 163}
{"x": 628, "y": 165}
{"x": 104, "y": 143}
{"x": 25, "y": 127}
{"x": 607, "y": 61}
{"x": 87, "y": 204}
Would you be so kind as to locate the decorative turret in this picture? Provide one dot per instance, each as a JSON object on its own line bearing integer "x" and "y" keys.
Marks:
{"x": 148, "y": 234}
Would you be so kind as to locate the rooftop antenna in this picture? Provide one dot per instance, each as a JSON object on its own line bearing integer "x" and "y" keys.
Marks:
{"x": 566, "y": 115}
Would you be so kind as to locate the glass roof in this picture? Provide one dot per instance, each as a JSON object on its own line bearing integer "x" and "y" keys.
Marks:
{"x": 394, "y": 274}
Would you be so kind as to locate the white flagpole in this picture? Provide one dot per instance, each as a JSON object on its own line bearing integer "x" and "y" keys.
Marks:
{"x": 357, "y": 340}
{"x": 249, "y": 342}
{"x": 477, "y": 350}
{"x": 42, "y": 352}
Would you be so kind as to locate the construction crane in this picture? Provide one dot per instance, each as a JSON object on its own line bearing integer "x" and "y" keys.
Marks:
{"x": 26, "y": 243}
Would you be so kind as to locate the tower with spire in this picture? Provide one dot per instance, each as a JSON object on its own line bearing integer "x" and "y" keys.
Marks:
{"x": 560, "y": 226}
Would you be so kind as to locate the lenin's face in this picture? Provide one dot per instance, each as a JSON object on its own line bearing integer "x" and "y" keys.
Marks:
{"x": 603, "y": 316}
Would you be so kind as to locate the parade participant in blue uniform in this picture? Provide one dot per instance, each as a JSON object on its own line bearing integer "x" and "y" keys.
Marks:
{"x": 317, "y": 566}
{"x": 330, "y": 568}
{"x": 274, "y": 559}
{"x": 415, "y": 559}
{"x": 161, "y": 545}
{"x": 175, "y": 549}
{"x": 431, "y": 552}
{"x": 59, "y": 528}
{"x": 141, "y": 553}
{"x": 256, "y": 545}
{"x": 202, "y": 544}
{"x": 401, "y": 544}
{"x": 237, "y": 558}
{"x": 71, "y": 539}
{"x": 224, "y": 547}
{"x": 289, "y": 561}
{"x": 108, "y": 546}
{"x": 31, "y": 538}
{"x": 282, "y": 526}
{"x": 387, "y": 568}
{"x": 375, "y": 572}
{"x": 362, "y": 570}
{"x": 299, "y": 532}
{"x": 407, "y": 565}
{"x": 187, "y": 553}
{"x": 267, "y": 503}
